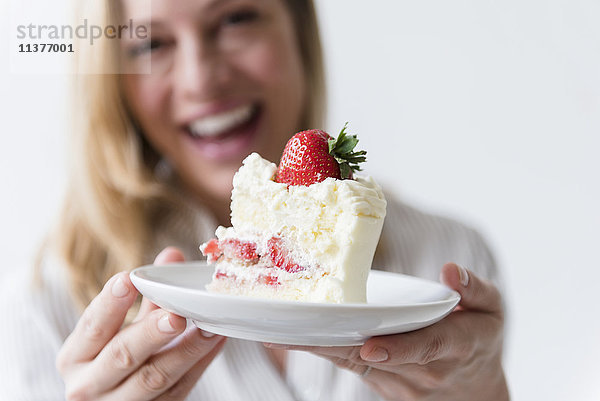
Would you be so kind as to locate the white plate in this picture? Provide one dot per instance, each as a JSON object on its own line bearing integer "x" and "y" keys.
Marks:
{"x": 395, "y": 304}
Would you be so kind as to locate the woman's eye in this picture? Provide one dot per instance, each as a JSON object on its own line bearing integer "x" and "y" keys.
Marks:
{"x": 146, "y": 47}
{"x": 239, "y": 17}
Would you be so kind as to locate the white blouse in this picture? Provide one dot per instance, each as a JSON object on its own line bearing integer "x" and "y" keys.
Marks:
{"x": 36, "y": 321}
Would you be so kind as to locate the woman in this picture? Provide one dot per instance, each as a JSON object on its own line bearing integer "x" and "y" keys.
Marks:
{"x": 154, "y": 156}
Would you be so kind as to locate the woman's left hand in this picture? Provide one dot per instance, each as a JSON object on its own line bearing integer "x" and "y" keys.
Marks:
{"x": 458, "y": 358}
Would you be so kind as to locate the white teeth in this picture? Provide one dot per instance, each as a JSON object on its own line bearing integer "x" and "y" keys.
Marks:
{"x": 216, "y": 124}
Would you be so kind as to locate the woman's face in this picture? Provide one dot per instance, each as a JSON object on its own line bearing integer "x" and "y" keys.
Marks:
{"x": 226, "y": 80}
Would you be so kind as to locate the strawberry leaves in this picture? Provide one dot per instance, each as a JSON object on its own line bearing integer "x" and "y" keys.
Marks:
{"x": 311, "y": 156}
{"x": 341, "y": 148}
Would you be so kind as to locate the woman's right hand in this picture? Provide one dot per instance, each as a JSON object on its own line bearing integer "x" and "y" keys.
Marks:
{"x": 101, "y": 360}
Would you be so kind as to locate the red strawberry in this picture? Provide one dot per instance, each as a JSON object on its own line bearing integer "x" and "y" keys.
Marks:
{"x": 279, "y": 256}
{"x": 219, "y": 275}
{"x": 268, "y": 280}
{"x": 211, "y": 250}
{"x": 312, "y": 156}
{"x": 232, "y": 248}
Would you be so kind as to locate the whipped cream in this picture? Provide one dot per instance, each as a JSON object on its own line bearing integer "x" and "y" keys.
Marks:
{"x": 333, "y": 224}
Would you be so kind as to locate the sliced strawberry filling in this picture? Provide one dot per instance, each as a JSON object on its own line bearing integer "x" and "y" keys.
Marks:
{"x": 265, "y": 279}
{"x": 231, "y": 248}
{"x": 221, "y": 275}
{"x": 211, "y": 250}
{"x": 277, "y": 255}
{"x": 280, "y": 257}
{"x": 236, "y": 249}
{"x": 268, "y": 279}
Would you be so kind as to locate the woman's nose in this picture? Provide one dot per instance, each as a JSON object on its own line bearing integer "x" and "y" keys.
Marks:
{"x": 201, "y": 72}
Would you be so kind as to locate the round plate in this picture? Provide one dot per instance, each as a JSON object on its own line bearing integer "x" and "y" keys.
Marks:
{"x": 396, "y": 303}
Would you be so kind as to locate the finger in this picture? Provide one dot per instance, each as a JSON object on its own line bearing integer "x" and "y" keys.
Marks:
{"x": 170, "y": 254}
{"x": 126, "y": 351}
{"x": 439, "y": 341}
{"x": 99, "y": 322}
{"x": 337, "y": 352}
{"x": 351, "y": 354}
{"x": 443, "y": 340}
{"x": 358, "y": 367}
{"x": 431, "y": 377}
{"x": 393, "y": 386}
{"x": 476, "y": 293}
{"x": 165, "y": 369}
{"x": 146, "y": 306}
{"x": 131, "y": 348}
{"x": 167, "y": 255}
{"x": 187, "y": 382}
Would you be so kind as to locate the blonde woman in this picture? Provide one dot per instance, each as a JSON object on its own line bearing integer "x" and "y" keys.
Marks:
{"x": 154, "y": 155}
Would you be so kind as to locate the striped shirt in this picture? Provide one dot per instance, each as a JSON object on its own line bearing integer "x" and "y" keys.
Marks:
{"x": 37, "y": 321}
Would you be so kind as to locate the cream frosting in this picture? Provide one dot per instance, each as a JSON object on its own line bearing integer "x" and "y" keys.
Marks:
{"x": 333, "y": 225}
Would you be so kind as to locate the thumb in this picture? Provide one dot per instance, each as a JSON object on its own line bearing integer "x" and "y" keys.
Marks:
{"x": 169, "y": 255}
{"x": 476, "y": 293}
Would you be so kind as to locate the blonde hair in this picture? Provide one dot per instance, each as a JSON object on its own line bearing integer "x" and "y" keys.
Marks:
{"x": 113, "y": 196}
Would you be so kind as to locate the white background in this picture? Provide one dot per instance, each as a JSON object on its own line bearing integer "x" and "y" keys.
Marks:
{"x": 488, "y": 111}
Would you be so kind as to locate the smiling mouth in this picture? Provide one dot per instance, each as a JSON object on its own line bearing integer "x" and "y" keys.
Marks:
{"x": 226, "y": 135}
{"x": 223, "y": 125}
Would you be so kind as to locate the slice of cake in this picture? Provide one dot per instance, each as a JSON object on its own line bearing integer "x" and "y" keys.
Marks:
{"x": 306, "y": 231}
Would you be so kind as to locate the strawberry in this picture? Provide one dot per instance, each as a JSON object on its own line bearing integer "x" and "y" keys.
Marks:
{"x": 268, "y": 280}
{"x": 221, "y": 275}
{"x": 313, "y": 155}
{"x": 211, "y": 250}
{"x": 279, "y": 256}
{"x": 232, "y": 248}
{"x": 236, "y": 249}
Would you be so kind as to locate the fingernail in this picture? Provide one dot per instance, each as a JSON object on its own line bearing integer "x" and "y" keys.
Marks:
{"x": 164, "y": 324}
{"x": 463, "y": 275}
{"x": 119, "y": 288}
{"x": 378, "y": 354}
{"x": 162, "y": 253}
{"x": 206, "y": 334}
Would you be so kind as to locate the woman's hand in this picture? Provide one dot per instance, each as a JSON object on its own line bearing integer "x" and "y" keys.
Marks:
{"x": 458, "y": 358}
{"x": 102, "y": 360}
